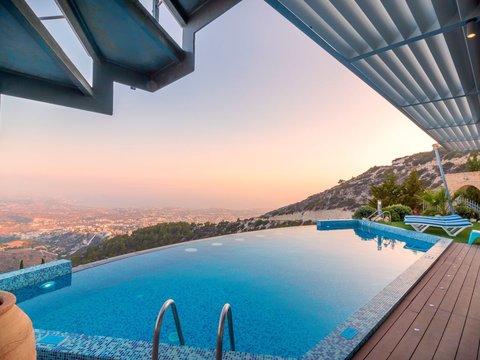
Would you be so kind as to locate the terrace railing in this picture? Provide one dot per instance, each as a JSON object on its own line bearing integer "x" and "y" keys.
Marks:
{"x": 469, "y": 203}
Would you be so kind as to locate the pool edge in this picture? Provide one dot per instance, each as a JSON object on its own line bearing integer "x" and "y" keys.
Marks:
{"x": 68, "y": 346}
{"x": 369, "y": 317}
{"x": 164, "y": 247}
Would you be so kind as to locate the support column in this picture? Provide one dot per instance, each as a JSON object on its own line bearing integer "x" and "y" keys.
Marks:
{"x": 442, "y": 174}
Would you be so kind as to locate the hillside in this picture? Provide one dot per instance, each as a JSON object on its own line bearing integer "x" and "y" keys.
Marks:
{"x": 342, "y": 199}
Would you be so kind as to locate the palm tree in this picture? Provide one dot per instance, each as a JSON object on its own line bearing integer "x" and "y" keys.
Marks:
{"x": 436, "y": 200}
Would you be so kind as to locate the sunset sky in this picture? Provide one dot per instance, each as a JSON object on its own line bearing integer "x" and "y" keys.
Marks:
{"x": 267, "y": 118}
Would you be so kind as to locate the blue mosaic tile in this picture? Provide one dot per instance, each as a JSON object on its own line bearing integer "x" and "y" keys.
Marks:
{"x": 337, "y": 224}
{"x": 349, "y": 333}
{"x": 51, "y": 339}
{"x": 85, "y": 347}
{"x": 34, "y": 275}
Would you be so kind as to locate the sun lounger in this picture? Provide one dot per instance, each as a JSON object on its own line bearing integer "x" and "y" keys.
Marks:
{"x": 452, "y": 226}
{"x": 438, "y": 217}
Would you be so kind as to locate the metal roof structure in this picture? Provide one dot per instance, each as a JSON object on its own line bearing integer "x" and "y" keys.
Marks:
{"x": 126, "y": 43}
{"x": 415, "y": 53}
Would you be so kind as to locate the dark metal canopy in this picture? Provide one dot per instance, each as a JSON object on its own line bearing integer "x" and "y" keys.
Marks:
{"x": 126, "y": 43}
{"x": 415, "y": 53}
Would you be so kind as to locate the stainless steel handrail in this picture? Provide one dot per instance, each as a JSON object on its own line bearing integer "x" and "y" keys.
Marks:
{"x": 158, "y": 325}
{"x": 372, "y": 215}
{"x": 226, "y": 313}
{"x": 375, "y": 215}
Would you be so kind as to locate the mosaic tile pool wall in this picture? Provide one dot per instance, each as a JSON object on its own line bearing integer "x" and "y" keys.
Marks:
{"x": 34, "y": 275}
{"x": 55, "y": 345}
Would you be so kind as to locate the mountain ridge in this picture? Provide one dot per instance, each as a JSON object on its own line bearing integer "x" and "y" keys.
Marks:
{"x": 343, "y": 198}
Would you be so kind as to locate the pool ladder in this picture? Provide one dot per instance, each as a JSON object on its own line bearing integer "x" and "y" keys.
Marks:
{"x": 225, "y": 314}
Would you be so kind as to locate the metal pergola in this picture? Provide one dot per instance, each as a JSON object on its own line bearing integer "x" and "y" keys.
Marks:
{"x": 415, "y": 53}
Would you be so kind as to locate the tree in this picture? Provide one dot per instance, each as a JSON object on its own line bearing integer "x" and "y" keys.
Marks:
{"x": 469, "y": 192}
{"x": 473, "y": 163}
{"x": 21, "y": 264}
{"x": 436, "y": 201}
{"x": 392, "y": 193}
{"x": 388, "y": 191}
{"x": 412, "y": 187}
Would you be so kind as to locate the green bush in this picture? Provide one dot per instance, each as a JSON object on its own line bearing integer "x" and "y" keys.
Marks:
{"x": 363, "y": 212}
{"x": 469, "y": 192}
{"x": 465, "y": 212}
{"x": 430, "y": 212}
{"x": 398, "y": 211}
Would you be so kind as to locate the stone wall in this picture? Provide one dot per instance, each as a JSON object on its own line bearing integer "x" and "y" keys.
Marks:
{"x": 457, "y": 180}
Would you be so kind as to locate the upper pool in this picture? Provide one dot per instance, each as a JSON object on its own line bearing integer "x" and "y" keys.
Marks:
{"x": 288, "y": 288}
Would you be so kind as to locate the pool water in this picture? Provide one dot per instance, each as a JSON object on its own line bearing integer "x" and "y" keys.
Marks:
{"x": 288, "y": 288}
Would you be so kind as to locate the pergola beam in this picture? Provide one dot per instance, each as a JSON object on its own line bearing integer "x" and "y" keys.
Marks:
{"x": 424, "y": 36}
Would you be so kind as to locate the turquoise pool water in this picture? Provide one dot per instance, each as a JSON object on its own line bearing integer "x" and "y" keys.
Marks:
{"x": 288, "y": 288}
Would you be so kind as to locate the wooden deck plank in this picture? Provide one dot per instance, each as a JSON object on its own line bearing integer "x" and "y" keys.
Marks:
{"x": 462, "y": 305}
{"x": 388, "y": 342}
{"x": 439, "y": 318}
{"x": 468, "y": 347}
{"x": 429, "y": 343}
{"x": 439, "y": 280}
{"x": 406, "y": 346}
{"x": 451, "y": 297}
{"x": 448, "y": 256}
{"x": 474, "y": 309}
{"x": 430, "y": 340}
{"x": 447, "y": 348}
{"x": 393, "y": 330}
{"x": 452, "y": 281}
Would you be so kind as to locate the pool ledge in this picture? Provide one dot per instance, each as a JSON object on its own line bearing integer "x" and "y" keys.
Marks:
{"x": 18, "y": 279}
{"x": 55, "y": 345}
{"x": 346, "y": 339}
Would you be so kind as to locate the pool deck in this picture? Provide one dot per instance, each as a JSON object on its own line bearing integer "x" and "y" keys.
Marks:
{"x": 439, "y": 318}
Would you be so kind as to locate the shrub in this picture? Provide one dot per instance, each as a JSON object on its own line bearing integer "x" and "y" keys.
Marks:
{"x": 430, "y": 212}
{"x": 436, "y": 200}
{"x": 398, "y": 211}
{"x": 363, "y": 212}
{"x": 470, "y": 193}
{"x": 465, "y": 212}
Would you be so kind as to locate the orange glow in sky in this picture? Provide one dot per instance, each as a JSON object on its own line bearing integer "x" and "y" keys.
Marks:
{"x": 266, "y": 119}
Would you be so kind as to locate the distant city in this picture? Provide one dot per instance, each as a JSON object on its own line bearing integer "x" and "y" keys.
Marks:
{"x": 32, "y": 230}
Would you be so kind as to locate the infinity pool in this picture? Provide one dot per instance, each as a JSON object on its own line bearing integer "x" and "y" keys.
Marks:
{"x": 288, "y": 288}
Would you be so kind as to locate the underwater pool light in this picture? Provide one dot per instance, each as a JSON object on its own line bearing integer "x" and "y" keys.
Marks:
{"x": 47, "y": 285}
